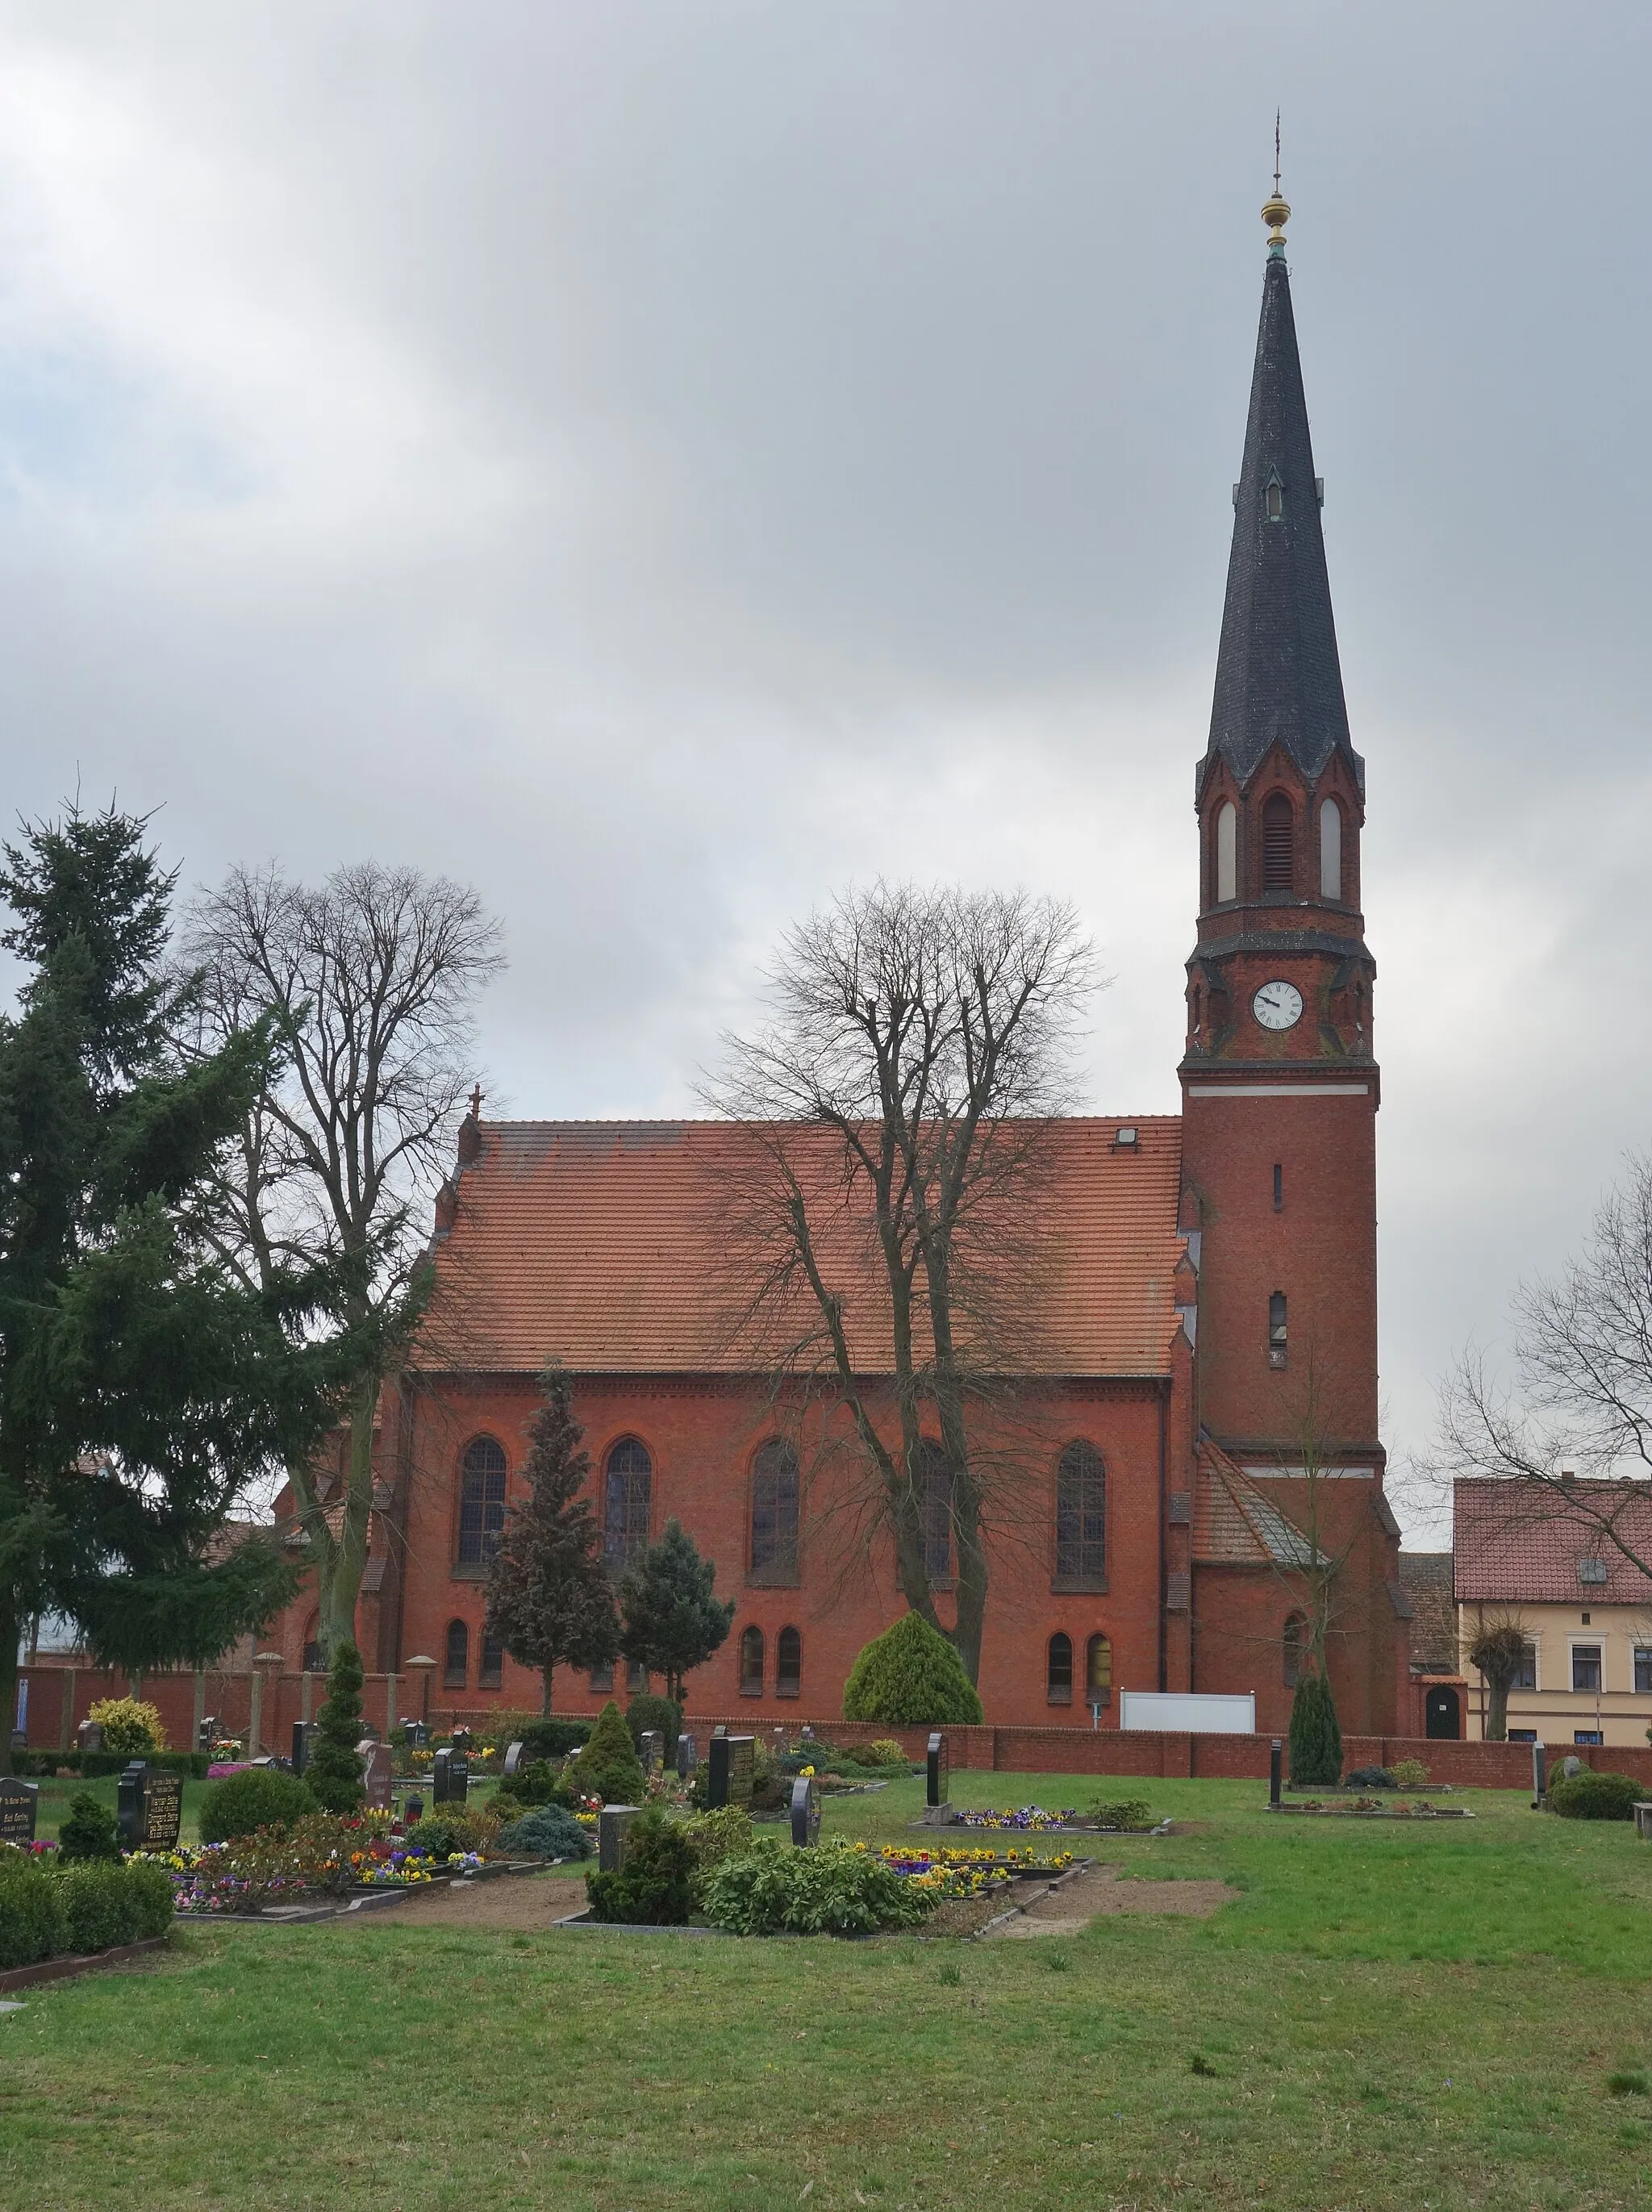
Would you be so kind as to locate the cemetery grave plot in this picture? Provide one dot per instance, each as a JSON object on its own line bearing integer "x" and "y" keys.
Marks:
{"x": 1095, "y": 1892}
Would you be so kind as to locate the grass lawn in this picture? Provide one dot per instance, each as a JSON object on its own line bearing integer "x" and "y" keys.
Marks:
{"x": 1388, "y": 2016}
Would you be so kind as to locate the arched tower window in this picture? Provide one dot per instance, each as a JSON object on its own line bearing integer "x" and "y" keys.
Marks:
{"x": 457, "y": 1664}
{"x": 1330, "y": 850}
{"x": 774, "y": 1513}
{"x": 1058, "y": 1671}
{"x": 490, "y": 1672}
{"x": 1296, "y": 1640}
{"x": 751, "y": 1662}
{"x": 1275, "y": 496}
{"x": 788, "y": 1663}
{"x": 1098, "y": 1671}
{"x": 1279, "y": 838}
{"x": 481, "y": 1501}
{"x": 1227, "y": 852}
{"x": 1080, "y": 1516}
{"x": 628, "y": 1488}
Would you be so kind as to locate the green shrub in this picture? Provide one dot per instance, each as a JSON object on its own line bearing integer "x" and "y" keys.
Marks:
{"x": 884, "y": 1751}
{"x": 1120, "y": 1813}
{"x": 541, "y": 1735}
{"x": 99, "y": 1907}
{"x": 33, "y": 1925}
{"x": 653, "y": 1887}
{"x": 1315, "y": 1738}
{"x": 535, "y": 1783}
{"x": 131, "y": 1725}
{"x": 1409, "y": 1774}
{"x": 608, "y": 1766}
{"x": 647, "y": 1711}
{"x": 713, "y": 1837}
{"x": 548, "y": 1832}
{"x": 831, "y": 1890}
{"x": 152, "y": 1900}
{"x": 261, "y": 1797}
{"x": 910, "y": 1676}
{"x": 89, "y": 1832}
{"x": 1591, "y": 1796}
{"x": 333, "y": 1770}
{"x": 441, "y": 1833}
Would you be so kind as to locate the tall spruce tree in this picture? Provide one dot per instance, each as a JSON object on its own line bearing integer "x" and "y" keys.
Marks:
{"x": 1316, "y": 1735}
{"x": 142, "y": 1392}
{"x": 670, "y": 1617}
{"x": 549, "y": 1601}
{"x": 333, "y": 1769}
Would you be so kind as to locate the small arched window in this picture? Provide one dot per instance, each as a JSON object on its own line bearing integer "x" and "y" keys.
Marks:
{"x": 1227, "y": 852}
{"x": 751, "y": 1662}
{"x": 934, "y": 1487}
{"x": 1276, "y": 1329}
{"x": 1080, "y": 1517}
{"x": 1278, "y": 839}
{"x": 628, "y": 1490}
{"x": 1330, "y": 850}
{"x": 457, "y": 1665}
{"x": 491, "y": 1671}
{"x": 774, "y": 1513}
{"x": 1275, "y": 496}
{"x": 481, "y": 1501}
{"x": 1098, "y": 1671}
{"x": 1295, "y": 1642}
{"x": 788, "y": 1663}
{"x": 1058, "y": 1671}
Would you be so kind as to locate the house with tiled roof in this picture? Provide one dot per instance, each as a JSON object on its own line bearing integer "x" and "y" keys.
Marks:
{"x": 1192, "y": 1437}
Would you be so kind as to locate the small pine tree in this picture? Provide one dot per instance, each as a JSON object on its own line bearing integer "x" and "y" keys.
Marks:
{"x": 1315, "y": 1738}
{"x": 549, "y": 1601}
{"x": 608, "y": 1767}
{"x": 912, "y": 1676}
{"x": 670, "y": 1618}
{"x": 333, "y": 1769}
{"x": 90, "y": 1830}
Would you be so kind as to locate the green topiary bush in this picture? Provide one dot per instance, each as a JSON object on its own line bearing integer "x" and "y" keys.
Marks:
{"x": 608, "y": 1767}
{"x": 33, "y": 1923}
{"x": 90, "y": 1832}
{"x": 1591, "y": 1796}
{"x": 152, "y": 1901}
{"x": 541, "y": 1735}
{"x": 912, "y": 1676}
{"x": 833, "y": 1890}
{"x": 548, "y": 1832}
{"x": 333, "y": 1770}
{"x": 100, "y": 1907}
{"x": 1315, "y": 1738}
{"x": 654, "y": 1886}
{"x": 261, "y": 1797}
{"x": 647, "y": 1711}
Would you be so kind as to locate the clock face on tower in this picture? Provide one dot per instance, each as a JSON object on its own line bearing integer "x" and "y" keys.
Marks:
{"x": 1277, "y": 1005}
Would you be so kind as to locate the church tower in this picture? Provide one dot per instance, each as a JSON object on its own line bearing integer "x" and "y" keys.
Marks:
{"x": 1279, "y": 1083}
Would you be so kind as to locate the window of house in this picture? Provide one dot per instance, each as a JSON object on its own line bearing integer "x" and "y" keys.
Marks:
{"x": 1058, "y": 1671}
{"x": 602, "y": 1681}
{"x": 774, "y": 1513}
{"x": 1587, "y": 1735}
{"x": 1330, "y": 850}
{"x": 751, "y": 1662}
{"x": 1586, "y": 1665}
{"x": 1643, "y": 1667}
{"x": 1098, "y": 1671}
{"x": 1295, "y": 1642}
{"x": 1525, "y": 1677}
{"x": 1522, "y": 1736}
{"x": 788, "y": 1663}
{"x": 1227, "y": 852}
{"x": 1080, "y": 1515}
{"x": 1277, "y": 1330}
{"x": 1278, "y": 841}
{"x": 455, "y": 1667}
{"x": 627, "y": 1493}
{"x": 481, "y": 1501}
{"x": 636, "y": 1679}
{"x": 491, "y": 1671}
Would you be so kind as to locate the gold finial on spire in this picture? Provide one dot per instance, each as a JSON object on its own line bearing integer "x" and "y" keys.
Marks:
{"x": 1276, "y": 213}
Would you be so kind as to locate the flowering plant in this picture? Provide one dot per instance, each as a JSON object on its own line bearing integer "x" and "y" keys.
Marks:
{"x": 320, "y": 1857}
{"x": 1028, "y": 1817}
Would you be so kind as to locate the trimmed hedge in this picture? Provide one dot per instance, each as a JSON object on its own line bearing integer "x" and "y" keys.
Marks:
{"x": 45, "y": 1912}
{"x": 910, "y": 1676}
{"x": 33, "y": 1923}
{"x": 1595, "y": 1796}
{"x": 37, "y": 1765}
{"x": 262, "y": 1797}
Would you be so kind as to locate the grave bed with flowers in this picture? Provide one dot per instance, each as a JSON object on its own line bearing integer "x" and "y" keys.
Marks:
{"x": 309, "y": 1861}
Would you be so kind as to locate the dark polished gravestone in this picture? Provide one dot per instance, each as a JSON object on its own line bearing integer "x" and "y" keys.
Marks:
{"x": 19, "y": 1801}
{"x": 805, "y": 1811}
{"x": 613, "y": 1827}
{"x": 89, "y": 1736}
{"x": 302, "y": 1732}
{"x": 688, "y": 1757}
{"x": 376, "y": 1772}
{"x": 450, "y": 1777}
{"x": 939, "y": 1778}
{"x": 732, "y": 1759}
{"x": 148, "y": 1808}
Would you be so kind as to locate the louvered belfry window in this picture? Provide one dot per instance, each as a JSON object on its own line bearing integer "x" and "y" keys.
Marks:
{"x": 1278, "y": 836}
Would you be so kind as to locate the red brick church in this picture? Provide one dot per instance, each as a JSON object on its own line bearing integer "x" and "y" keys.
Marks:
{"x": 1211, "y": 1325}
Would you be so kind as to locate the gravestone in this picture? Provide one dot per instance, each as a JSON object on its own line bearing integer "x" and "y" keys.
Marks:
{"x": 163, "y": 1811}
{"x": 128, "y": 1804}
{"x": 940, "y": 1773}
{"x": 89, "y": 1736}
{"x": 207, "y": 1735}
{"x": 18, "y": 1804}
{"x": 1570, "y": 1766}
{"x": 376, "y": 1764}
{"x": 688, "y": 1757}
{"x": 721, "y": 1728}
{"x": 302, "y": 1731}
{"x": 513, "y": 1758}
{"x": 418, "y": 1733}
{"x": 805, "y": 1811}
{"x": 450, "y": 1778}
{"x": 462, "y": 1740}
{"x": 741, "y": 1759}
{"x": 19, "y": 1739}
{"x": 1275, "y": 1770}
{"x": 613, "y": 1823}
{"x": 652, "y": 1751}
{"x": 1539, "y": 1775}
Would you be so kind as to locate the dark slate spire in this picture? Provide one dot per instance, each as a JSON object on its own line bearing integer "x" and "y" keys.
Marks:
{"x": 1277, "y": 675}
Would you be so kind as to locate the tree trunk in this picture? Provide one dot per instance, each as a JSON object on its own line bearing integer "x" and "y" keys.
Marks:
{"x": 343, "y": 1586}
{"x": 545, "y": 1674}
{"x": 1497, "y": 1710}
{"x": 10, "y": 1629}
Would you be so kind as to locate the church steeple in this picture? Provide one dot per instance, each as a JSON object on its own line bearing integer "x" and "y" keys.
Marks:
{"x": 1277, "y": 676}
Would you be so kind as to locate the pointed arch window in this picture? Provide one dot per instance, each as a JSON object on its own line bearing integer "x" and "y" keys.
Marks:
{"x": 490, "y": 1670}
{"x": 788, "y": 1663}
{"x": 1330, "y": 850}
{"x": 456, "y": 1664}
{"x": 1098, "y": 1671}
{"x": 1080, "y": 1518}
{"x": 1058, "y": 1671}
{"x": 481, "y": 1501}
{"x": 933, "y": 1484}
{"x": 1227, "y": 852}
{"x": 1279, "y": 841}
{"x": 628, "y": 1489}
{"x": 774, "y": 1513}
{"x": 1274, "y": 496}
{"x": 751, "y": 1662}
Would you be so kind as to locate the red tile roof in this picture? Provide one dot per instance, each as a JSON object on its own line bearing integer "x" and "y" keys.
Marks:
{"x": 1522, "y": 1543}
{"x": 605, "y": 1245}
{"x": 1235, "y": 1525}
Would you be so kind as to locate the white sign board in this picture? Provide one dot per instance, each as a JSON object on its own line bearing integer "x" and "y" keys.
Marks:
{"x": 1184, "y": 1711}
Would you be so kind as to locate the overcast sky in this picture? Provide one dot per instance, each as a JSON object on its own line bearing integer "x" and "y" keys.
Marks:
{"x": 659, "y": 463}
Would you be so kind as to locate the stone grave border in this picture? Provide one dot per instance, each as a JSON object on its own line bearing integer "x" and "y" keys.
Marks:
{"x": 1014, "y": 1912}
{"x": 72, "y": 1963}
{"x": 367, "y": 1896}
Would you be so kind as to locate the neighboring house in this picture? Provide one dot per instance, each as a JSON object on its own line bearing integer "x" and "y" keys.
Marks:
{"x": 1544, "y": 1559}
{"x": 1439, "y": 1696}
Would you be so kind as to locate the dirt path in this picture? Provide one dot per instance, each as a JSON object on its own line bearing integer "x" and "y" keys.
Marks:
{"x": 1094, "y": 1896}
{"x": 511, "y": 1900}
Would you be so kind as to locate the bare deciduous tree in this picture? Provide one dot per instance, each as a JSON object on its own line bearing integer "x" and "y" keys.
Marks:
{"x": 371, "y": 981}
{"x": 1497, "y": 1648}
{"x": 883, "y": 1226}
